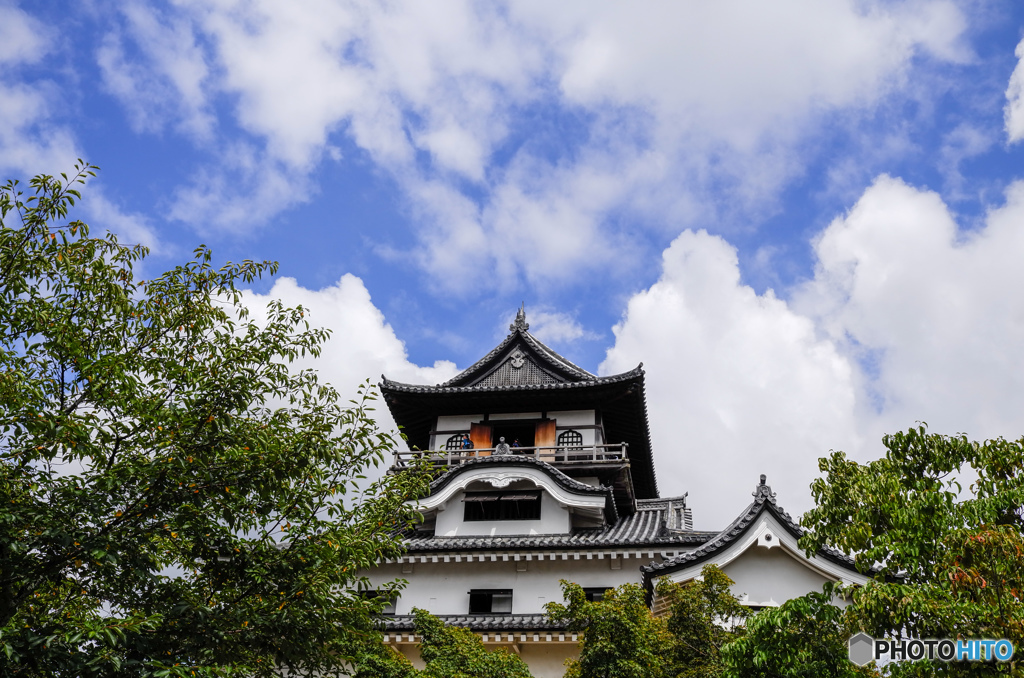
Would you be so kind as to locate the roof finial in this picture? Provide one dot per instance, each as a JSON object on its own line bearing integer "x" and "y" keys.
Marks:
{"x": 520, "y": 322}
{"x": 763, "y": 490}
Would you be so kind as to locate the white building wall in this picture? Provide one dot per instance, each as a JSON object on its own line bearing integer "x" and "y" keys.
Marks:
{"x": 443, "y": 588}
{"x": 771, "y": 576}
{"x": 554, "y": 519}
{"x": 574, "y": 417}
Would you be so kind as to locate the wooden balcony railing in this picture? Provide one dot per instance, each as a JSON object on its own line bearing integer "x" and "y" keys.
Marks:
{"x": 586, "y": 454}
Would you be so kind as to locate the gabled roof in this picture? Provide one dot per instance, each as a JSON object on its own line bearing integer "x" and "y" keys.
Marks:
{"x": 521, "y": 374}
{"x": 764, "y": 502}
{"x": 520, "y": 360}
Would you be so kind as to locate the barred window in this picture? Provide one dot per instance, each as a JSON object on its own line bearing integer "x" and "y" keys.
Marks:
{"x": 570, "y": 439}
{"x": 515, "y": 505}
{"x": 457, "y": 442}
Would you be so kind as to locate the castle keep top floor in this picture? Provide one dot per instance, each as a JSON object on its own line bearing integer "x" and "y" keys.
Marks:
{"x": 593, "y": 429}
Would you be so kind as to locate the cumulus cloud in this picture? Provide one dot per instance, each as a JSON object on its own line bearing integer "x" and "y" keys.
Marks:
{"x": 907, "y": 318}
{"x": 1014, "y": 110}
{"x": 737, "y": 383}
{"x": 657, "y": 106}
{"x": 362, "y": 344}
{"x": 931, "y": 313}
{"x": 557, "y": 328}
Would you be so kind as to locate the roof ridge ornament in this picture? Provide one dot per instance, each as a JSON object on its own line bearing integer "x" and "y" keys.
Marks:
{"x": 520, "y": 322}
{"x": 763, "y": 490}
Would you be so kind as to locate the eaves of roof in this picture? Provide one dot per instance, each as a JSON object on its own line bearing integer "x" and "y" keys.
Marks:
{"x": 764, "y": 500}
{"x": 582, "y": 540}
{"x": 564, "y": 481}
{"x": 644, "y": 528}
{"x": 479, "y": 622}
{"x": 399, "y": 387}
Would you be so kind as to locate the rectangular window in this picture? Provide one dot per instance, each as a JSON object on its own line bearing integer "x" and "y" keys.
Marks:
{"x": 596, "y": 594}
{"x": 519, "y": 505}
{"x": 490, "y": 601}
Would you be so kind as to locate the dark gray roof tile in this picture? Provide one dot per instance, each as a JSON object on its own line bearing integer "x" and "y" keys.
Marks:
{"x": 480, "y": 622}
{"x": 764, "y": 500}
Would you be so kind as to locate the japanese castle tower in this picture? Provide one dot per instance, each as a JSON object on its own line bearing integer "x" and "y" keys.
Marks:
{"x": 547, "y": 473}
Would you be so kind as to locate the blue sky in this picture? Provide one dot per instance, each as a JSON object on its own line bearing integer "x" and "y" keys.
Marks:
{"x": 805, "y": 217}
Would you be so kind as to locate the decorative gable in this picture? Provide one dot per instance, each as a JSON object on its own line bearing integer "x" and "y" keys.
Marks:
{"x": 518, "y": 368}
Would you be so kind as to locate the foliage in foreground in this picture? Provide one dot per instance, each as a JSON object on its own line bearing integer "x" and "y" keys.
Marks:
{"x": 805, "y": 636}
{"x": 704, "y": 617}
{"x": 174, "y": 498}
{"x": 620, "y": 638}
{"x": 448, "y": 652}
{"x": 949, "y": 556}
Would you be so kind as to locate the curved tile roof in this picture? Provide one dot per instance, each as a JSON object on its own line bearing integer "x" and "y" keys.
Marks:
{"x": 646, "y": 527}
{"x": 563, "y": 480}
{"x": 479, "y": 622}
{"x": 545, "y": 386}
{"x": 764, "y": 500}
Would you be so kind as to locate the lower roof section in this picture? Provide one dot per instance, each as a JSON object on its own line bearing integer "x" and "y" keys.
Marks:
{"x": 479, "y": 622}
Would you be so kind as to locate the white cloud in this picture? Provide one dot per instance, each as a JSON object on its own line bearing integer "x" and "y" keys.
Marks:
{"x": 130, "y": 229}
{"x": 30, "y": 143}
{"x": 667, "y": 102}
{"x": 907, "y": 318}
{"x": 362, "y": 345}
{"x": 934, "y": 313}
{"x": 168, "y": 84}
{"x": 1014, "y": 110}
{"x": 553, "y": 327}
{"x": 239, "y": 192}
{"x": 23, "y": 38}
{"x": 737, "y": 383}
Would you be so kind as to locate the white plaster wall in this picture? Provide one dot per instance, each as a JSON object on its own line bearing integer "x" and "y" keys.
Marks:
{"x": 574, "y": 417}
{"x": 771, "y": 576}
{"x": 554, "y": 519}
{"x": 505, "y": 416}
{"x": 459, "y": 422}
{"x": 443, "y": 588}
{"x": 548, "y": 660}
{"x": 451, "y": 423}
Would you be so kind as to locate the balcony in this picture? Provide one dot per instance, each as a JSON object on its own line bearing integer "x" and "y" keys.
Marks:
{"x": 587, "y": 455}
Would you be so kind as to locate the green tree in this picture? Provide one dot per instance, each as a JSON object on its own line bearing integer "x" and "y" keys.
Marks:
{"x": 453, "y": 652}
{"x": 620, "y": 637}
{"x": 447, "y": 651}
{"x": 949, "y": 556}
{"x": 175, "y": 498}
{"x": 803, "y": 637}
{"x": 704, "y": 616}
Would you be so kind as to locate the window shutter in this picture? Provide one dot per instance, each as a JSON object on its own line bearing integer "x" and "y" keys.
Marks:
{"x": 480, "y": 434}
{"x": 544, "y": 436}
